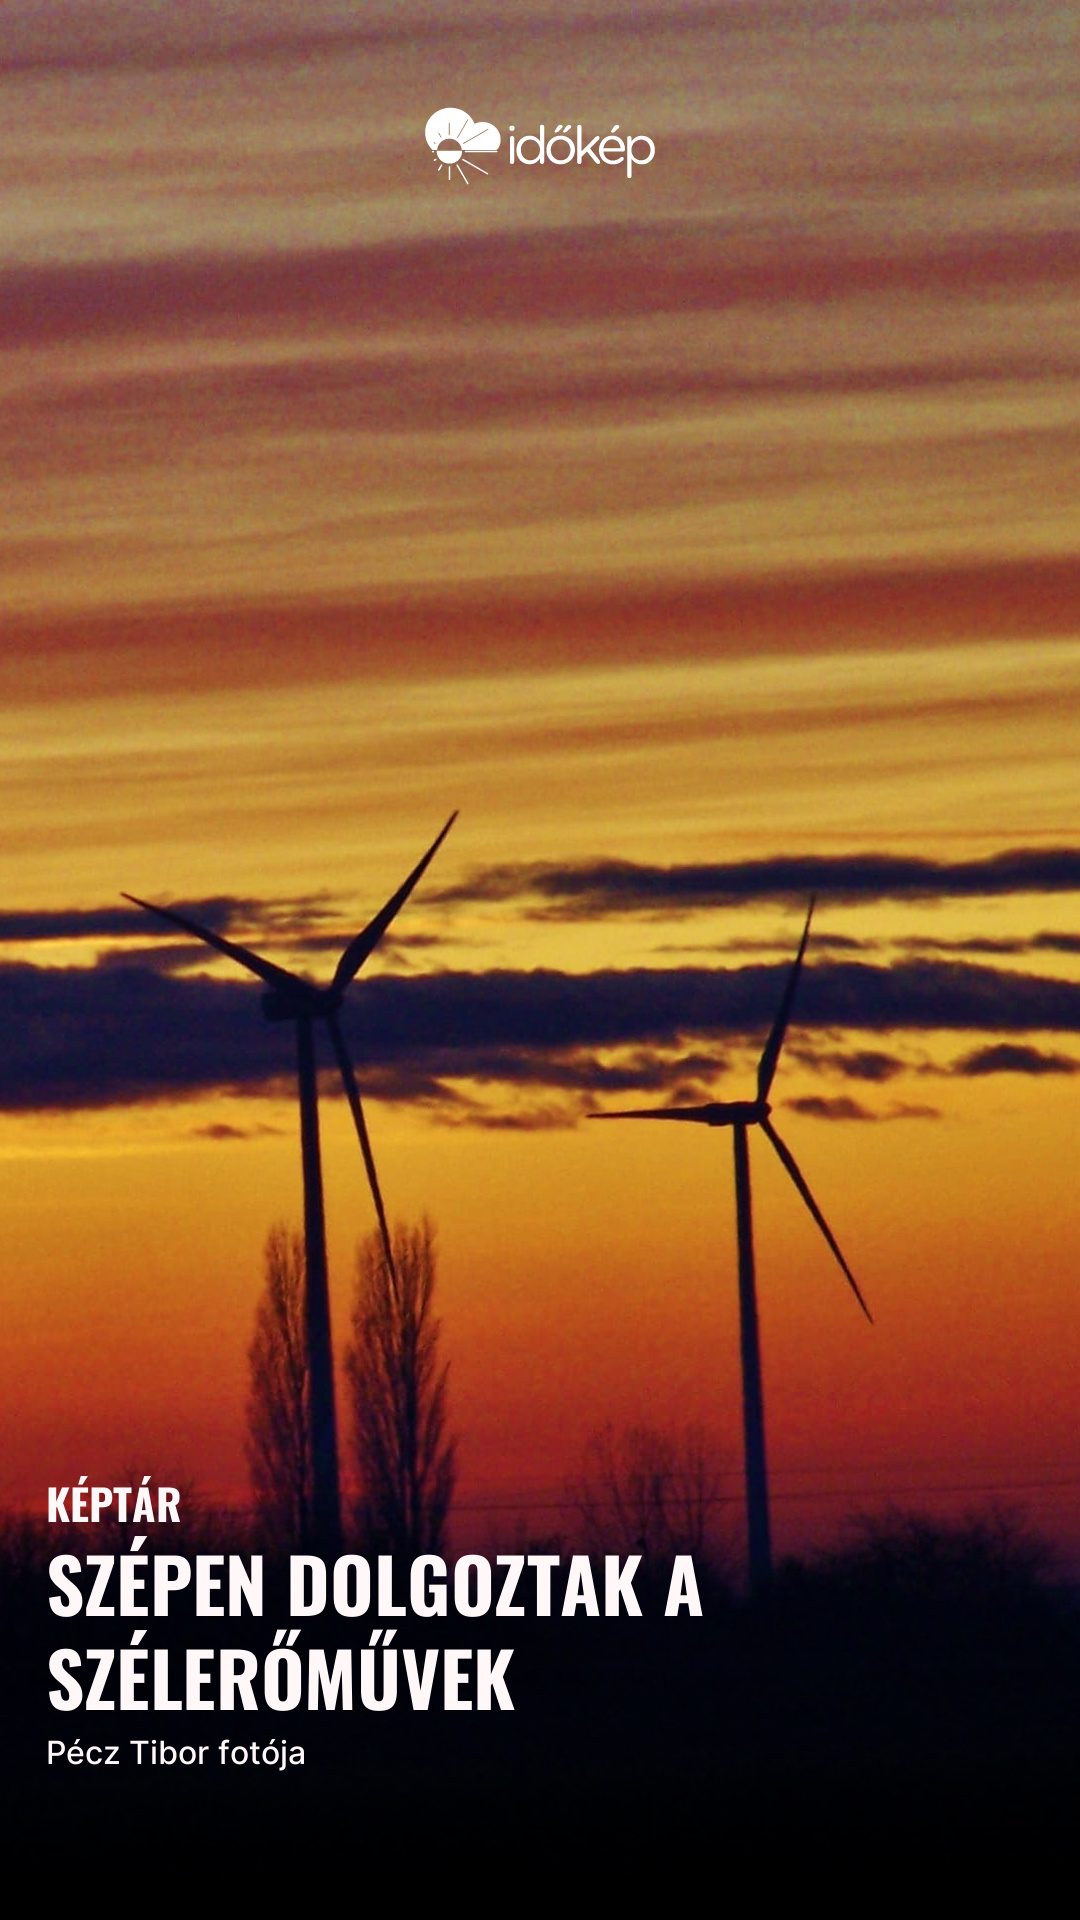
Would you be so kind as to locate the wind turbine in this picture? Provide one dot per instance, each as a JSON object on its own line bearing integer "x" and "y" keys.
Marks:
{"x": 291, "y": 997}
{"x": 740, "y": 1116}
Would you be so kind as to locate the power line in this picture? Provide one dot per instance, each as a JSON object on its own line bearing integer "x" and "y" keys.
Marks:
{"x": 806, "y": 1493}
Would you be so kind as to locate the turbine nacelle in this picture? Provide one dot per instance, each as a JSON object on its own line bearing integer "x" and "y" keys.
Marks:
{"x": 300, "y": 1000}
{"x": 736, "y": 1113}
{"x": 716, "y": 1113}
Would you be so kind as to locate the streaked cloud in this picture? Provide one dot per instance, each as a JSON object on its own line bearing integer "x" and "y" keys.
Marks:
{"x": 82, "y": 1037}
{"x": 801, "y": 346}
{"x": 820, "y": 1107}
{"x": 863, "y": 1063}
{"x": 1007, "y": 1057}
{"x": 593, "y": 889}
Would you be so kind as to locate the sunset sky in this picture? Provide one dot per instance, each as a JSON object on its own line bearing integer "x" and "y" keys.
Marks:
{"x": 708, "y": 538}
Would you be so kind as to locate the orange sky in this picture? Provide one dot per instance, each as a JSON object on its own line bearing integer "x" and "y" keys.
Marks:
{"x": 716, "y": 516}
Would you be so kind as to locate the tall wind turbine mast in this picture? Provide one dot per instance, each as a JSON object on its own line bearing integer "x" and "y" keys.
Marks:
{"x": 292, "y": 998}
{"x": 740, "y": 1116}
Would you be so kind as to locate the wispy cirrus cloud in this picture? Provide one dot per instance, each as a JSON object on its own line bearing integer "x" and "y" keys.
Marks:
{"x": 428, "y": 391}
{"x": 607, "y": 271}
{"x": 272, "y": 638}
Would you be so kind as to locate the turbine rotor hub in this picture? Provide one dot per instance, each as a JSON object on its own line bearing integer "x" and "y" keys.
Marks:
{"x": 736, "y": 1113}
{"x": 299, "y": 1001}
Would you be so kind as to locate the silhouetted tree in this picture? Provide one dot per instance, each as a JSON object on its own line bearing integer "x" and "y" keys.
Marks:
{"x": 989, "y": 1557}
{"x": 278, "y": 1417}
{"x": 404, "y": 1456}
{"x": 648, "y": 1492}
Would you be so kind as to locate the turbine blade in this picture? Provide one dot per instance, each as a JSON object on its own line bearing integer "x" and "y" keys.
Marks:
{"x": 771, "y": 1054}
{"x": 352, "y": 1094}
{"x": 368, "y": 938}
{"x": 266, "y": 970}
{"x": 787, "y": 1159}
{"x": 656, "y": 1113}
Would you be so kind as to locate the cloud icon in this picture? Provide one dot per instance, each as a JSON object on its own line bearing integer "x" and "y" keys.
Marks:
{"x": 454, "y": 136}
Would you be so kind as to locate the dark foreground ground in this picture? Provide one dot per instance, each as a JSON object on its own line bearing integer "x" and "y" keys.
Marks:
{"x": 872, "y": 1705}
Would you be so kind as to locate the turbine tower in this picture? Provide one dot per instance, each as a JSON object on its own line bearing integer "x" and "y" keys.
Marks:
{"x": 291, "y": 997}
{"x": 740, "y": 1116}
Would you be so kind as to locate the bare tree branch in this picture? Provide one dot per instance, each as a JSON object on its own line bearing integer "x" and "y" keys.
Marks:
{"x": 648, "y": 1492}
{"x": 404, "y": 1457}
{"x": 279, "y": 1420}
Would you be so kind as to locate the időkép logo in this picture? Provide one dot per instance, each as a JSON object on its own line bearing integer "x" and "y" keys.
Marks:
{"x": 454, "y": 137}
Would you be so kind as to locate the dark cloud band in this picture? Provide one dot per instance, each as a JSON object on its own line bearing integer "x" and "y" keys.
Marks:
{"x": 591, "y": 889}
{"x": 80, "y": 1038}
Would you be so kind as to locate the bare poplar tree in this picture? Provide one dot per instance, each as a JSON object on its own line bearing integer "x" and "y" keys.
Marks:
{"x": 404, "y": 1456}
{"x": 650, "y": 1492}
{"x": 278, "y": 1416}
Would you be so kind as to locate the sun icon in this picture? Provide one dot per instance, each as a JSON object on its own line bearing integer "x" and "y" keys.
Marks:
{"x": 453, "y": 135}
